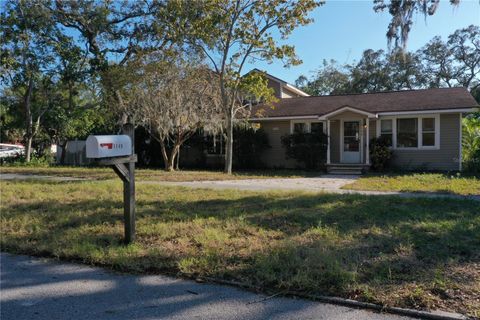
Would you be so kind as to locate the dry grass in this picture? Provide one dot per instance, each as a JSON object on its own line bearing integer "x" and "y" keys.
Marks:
{"x": 102, "y": 173}
{"x": 421, "y": 253}
{"x": 419, "y": 182}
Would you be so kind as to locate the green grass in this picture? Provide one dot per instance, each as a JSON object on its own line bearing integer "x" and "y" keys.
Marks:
{"x": 419, "y": 182}
{"x": 102, "y": 173}
{"x": 420, "y": 253}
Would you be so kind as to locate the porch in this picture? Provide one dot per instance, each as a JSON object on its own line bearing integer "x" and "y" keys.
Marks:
{"x": 349, "y": 131}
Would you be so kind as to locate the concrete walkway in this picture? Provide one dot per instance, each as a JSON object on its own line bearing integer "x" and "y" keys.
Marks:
{"x": 326, "y": 183}
{"x": 40, "y": 289}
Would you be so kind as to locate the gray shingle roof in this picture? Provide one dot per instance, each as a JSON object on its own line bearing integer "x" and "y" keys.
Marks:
{"x": 401, "y": 101}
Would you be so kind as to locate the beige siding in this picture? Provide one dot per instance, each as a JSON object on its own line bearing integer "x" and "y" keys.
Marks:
{"x": 335, "y": 141}
{"x": 277, "y": 88}
{"x": 445, "y": 158}
{"x": 274, "y": 157}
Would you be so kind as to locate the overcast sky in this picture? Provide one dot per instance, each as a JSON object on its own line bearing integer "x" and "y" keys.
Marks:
{"x": 343, "y": 29}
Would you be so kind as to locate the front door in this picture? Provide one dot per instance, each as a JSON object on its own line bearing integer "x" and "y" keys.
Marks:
{"x": 351, "y": 142}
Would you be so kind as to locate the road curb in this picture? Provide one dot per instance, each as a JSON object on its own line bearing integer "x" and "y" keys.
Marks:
{"x": 436, "y": 315}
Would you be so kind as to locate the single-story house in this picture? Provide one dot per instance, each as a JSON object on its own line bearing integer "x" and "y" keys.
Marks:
{"x": 424, "y": 127}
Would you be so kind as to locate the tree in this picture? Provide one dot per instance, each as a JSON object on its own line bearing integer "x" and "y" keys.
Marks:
{"x": 230, "y": 33}
{"x": 173, "y": 101}
{"x": 330, "y": 78}
{"x": 115, "y": 33}
{"x": 376, "y": 71}
{"x": 402, "y": 12}
{"x": 471, "y": 142}
{"x": 28, "y": 60}
{"x": 455, "y": 62}
{"x": 464, "y": 44}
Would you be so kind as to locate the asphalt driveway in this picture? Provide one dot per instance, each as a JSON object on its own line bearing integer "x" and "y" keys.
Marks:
{"x": 33, "y": 288}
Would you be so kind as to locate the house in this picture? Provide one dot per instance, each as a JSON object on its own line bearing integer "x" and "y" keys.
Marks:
{"x": 423, "y": 126}
{"x": 281, "y": 88}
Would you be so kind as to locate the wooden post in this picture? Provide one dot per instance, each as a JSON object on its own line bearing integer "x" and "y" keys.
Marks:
{"x": 129, "y": 190}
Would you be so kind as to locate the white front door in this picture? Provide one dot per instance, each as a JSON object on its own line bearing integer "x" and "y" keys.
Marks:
{"x": 351, "y": 144}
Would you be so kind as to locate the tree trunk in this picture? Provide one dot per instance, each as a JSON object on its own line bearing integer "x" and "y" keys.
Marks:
{"x": 28, "y": 148}
{"x": 229, "y": 144}
{"x": 171, "y": 159}
{"x": 164, "y": 154}
{"x": 63, "y": 147}
{"x": 28, "y": 120}
{"x": 177, "y": 163}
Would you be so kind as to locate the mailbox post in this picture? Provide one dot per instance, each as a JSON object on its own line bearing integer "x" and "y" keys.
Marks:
{"x": 118, "y": 152}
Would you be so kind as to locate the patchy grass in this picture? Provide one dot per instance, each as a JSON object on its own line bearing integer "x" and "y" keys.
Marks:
{"x": 418, "y": 182}
{"x": 102, "y": 173}
{"x": 420, "y": 253}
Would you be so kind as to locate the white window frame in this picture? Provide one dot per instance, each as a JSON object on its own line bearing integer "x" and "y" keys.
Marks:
{"x": 308, "y": 125}
{"x": 379, "y": 128}
{"x": 419, "y": 130}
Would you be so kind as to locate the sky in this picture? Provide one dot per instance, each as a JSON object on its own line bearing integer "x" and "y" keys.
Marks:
{"x": 342, "y": 30}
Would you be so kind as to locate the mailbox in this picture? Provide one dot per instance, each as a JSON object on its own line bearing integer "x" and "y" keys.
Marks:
{"x": 108, "y": 146}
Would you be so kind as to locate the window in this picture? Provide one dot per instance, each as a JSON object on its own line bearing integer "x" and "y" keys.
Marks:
{"x": 386, "y": 130}
{"x": 428, "y": 132}
{"x": 316, "y": 127}
{"x": 299, "y": 127}
{"x": 407, "y": 133}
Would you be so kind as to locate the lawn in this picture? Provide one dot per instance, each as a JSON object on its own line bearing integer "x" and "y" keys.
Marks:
{"x": 419, "y": 253}
{"x": 419, "y": 182}
{"x": 102, "y": 173}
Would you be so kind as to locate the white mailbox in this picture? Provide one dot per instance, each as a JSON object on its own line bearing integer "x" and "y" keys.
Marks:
{"x": 108, "y": 146}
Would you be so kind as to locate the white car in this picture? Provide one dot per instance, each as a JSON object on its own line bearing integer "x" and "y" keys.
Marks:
{"x": 11, "y": 150}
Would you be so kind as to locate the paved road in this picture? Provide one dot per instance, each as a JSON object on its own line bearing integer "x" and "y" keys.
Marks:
{"x": 39, "y": 289}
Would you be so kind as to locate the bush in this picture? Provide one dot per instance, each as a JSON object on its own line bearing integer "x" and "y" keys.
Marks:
{"x": 471, "y": 143}
{"x": 310, "y": 149}
{"x": 248, "y": 146}
{"x": 380, "y": 153}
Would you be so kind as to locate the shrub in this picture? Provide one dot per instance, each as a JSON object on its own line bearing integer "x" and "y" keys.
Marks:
{"x": 248, "y": 146}
{"x": 471, "y": 143}
{"x": 380, "y": 153}
{"x": 310, "y": 149}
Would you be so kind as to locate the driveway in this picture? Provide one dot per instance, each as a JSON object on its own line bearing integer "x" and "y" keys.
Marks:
{"x": 33, "y": 288}
{"x": 327, "y": 183}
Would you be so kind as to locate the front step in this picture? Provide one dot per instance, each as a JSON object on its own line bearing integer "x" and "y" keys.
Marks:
{"x": 347, "y": 169}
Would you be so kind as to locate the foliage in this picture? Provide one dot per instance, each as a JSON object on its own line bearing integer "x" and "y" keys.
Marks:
{"x": 403, "y": 12}
{"x": 380, "y": 153}
{"x": 232, "y": 33}
{"x": 451, "y": 63}
{"x": 28, "y": 62}
{"x": 471, "y": 143}
{"x": 353, "y": 246}
{"x": 248, "y": 147}
{"x": 310, "y": 149}
{"x": 174, "y": 99}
